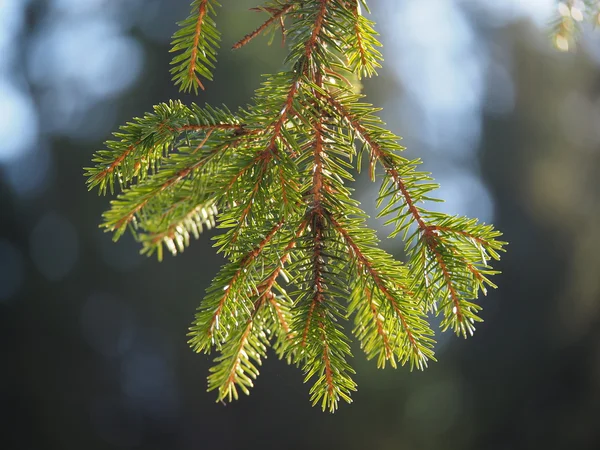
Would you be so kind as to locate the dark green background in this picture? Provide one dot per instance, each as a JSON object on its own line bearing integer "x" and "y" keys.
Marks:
{"x": 97, "y": 358}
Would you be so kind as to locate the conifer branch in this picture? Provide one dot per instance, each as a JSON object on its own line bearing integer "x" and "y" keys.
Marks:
{"x": 159, "y": 188}
{"x": 403, "y": 308}
{"x": 236, "y": 366}
{"x": 361, "y": 44}
{"x": 460, "y": 314}
{"x": 187, "y": 216}
{"x": 274, "y": 179}
{"x": 145, "y": 142}
{"x": 197, "y": 41}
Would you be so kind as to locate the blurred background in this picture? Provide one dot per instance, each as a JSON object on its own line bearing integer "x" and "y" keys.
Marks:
{"x": 93, "y": 336}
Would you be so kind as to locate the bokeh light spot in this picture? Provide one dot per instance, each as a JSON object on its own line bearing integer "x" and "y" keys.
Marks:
{"x": 62, "y": 56}
{"x": 466, "y": 195}
{"x": 30, "y": 174}
{"x": 18, "y": 122}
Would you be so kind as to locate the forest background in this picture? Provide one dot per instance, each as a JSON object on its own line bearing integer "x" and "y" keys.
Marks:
{"x": 93, "y": 335}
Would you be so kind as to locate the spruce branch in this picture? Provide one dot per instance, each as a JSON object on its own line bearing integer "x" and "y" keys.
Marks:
{"x": 186, "y": 216}
{"x": 389, "y": 321}
{"x": 459, "y": 272}
{"x": 196, "y": 42}
{"x": 275, "y": 179}
{"x": 236, "y": 366}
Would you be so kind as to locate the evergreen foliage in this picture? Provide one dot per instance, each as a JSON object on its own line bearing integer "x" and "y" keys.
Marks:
{"x": 572, "y": 14}
{"x": 275, "y": 177}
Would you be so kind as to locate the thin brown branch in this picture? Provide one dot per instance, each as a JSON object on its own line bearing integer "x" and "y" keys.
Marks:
{"x": 461, "y": 232}
{"x": 380, "y": 155}
{"x": 359, "y": 40}
{"x": 427, "y": 231}
{"x": 128, "y": 217}
{"x": 267, "y": 285}
{"x": 317, "y": 181}
{"x": 217, "y": 126}
{"x": 308, "y": 49}
{"x": 364, "y": 262}
{"x": 246, "y": 260}
{"x": 276, "y": 14}
{"x": 380, "y": 329}
{"x": 197, "y": 34}
{"x": 280, "y": 317}
{"x": 312, "y": 41}
{"x": 169, "y": 233}
{"x": 433, "y": 244}
{"x": 327, "y": 361}
{"x": 317, "y": 223}
{"x": 204, "y": 141}
{"x": 318, "y": 268}
{"x": 311, "y": 311}
{"x": 238, "y": 129}
{"x": 250, "y": 199}
{"x": 282, "y": 25}
{"x": 234, "y": 367}
{"x": 132, "y": 212}
{"x": 338, "y": 75}
{"x": 117, "y": 162}
{"x": 287, "y": 109}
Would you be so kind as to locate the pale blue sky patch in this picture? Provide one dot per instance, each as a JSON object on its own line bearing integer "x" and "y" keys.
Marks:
{"x": 18, "y": 122}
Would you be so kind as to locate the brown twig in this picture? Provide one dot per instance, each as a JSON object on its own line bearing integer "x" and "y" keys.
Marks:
{"x": 197, "y": 34}
{"x": 276, "y": 14}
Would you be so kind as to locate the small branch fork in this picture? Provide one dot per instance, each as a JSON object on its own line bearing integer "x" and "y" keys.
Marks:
{"x": 128, "y": 217}
{"x": 276, "y": 14}
{"x": 265, "y": 287}
{"x": 244, "y": 263}
{"x": 287, "y": 109}
{"x": 238, "y": 129}
{"x": 317, "y": 217}
{"x": 265, "y": 295}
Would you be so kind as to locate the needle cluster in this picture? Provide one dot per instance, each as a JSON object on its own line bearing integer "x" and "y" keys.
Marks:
{"x": 274, "y": 178}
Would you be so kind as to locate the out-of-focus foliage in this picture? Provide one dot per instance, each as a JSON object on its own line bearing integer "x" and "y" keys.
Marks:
{"x": 572, "y": 14}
